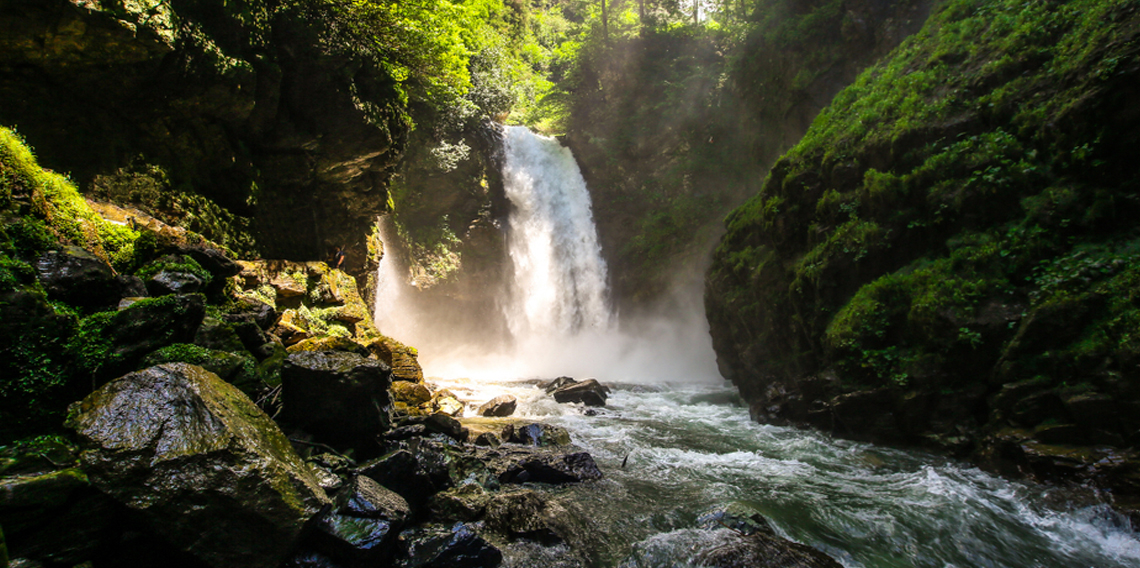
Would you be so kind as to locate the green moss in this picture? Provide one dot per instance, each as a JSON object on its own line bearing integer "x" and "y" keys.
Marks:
{"x": 178, "y": 263}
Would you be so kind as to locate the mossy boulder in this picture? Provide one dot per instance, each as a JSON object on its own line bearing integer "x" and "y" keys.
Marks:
{"x": 234, "y": 368}
{"x": 110, "y": 343}
{"x": 207, "y": 469}
{"x": 403, "y": 359}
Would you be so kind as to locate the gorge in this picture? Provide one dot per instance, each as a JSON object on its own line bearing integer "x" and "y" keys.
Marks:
{"x": 857, "y": 279}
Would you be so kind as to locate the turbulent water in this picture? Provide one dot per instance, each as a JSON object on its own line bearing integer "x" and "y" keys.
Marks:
{"x": 692, "y": 448}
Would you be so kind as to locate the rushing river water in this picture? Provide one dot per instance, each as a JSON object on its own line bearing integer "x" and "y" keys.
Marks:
{"x": 692, "y": 448}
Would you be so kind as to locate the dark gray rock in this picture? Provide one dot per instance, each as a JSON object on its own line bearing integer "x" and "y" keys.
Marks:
{"x": 439, "y": 423}
{"x": 206, "y": 468}
{"x": 589, "y": 392}
{"x": 130, "y": 286}
{"x": 77, "y": 277}
{"x": 263, "y": 314}
{"x": 145, "y": 326}
{"x": 173, "y": 282}
{"x": 362, "y": 529}
{"x": 436, "y": 546}
{"x": 489, "y": 439}
{"x": 499, "y": 406}
{"x": 415, "y": 477}
{"x": 216, "y": 263}
{"x": 520, "y": 464}
{"x": 251, "y": 335}
{"x": 536, "y": 434}
{"x": 56, "y": 517}
{"x": 466, "y": 502}
{"x": 340, "y": 397}
{"x": 762, "y": 550}
{"x": 557, "y": 384}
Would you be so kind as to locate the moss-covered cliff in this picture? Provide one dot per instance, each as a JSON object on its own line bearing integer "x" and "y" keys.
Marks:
{"x": 262, "y": 124}
{"x": 950, "y": 255}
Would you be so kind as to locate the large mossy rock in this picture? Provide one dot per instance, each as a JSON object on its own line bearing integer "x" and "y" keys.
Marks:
{"x": 109, "y": 344}
{"x": 340, "y": 397}
{"x": 206, "y": 468}
{"x": 56, "y": 517}
{"x": 937, "y": 270}
{"x": 361, "y": 529}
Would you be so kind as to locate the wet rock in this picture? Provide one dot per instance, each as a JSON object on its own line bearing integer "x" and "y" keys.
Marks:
{"x": 557, "y": 384}
{"x": 415, "y": 477}
{"x": 250, "y": 334}
{"x": 406, "y": 432}
{"x": 206, "y": 468}
{"x": 499, "y": 406}
{"x": 466, "y": 502}
{"x": 488, "y": 439}
{"x": 340, "y": 397}
{"x": 739, "y": 517}
{"x": 174, "y": 282}
{"x": 289, "y": 285}
{"x": 77, "y": 277}
{"x": 403, "y": 360}
{"x": 311, "y": 559}
{"x": 362, "y": 528}
{"x": 412, "y": 394}
{"x": 263, "y": 314}
{"x": 519, "y": 464}
{"x": 526, "y": 514}
{"x": 219, "y": 335}
{"x": 217, "y": 264}
{"x": 762, "y": 550}
{"x": 535, "y": 434}
{"x": 589, "y": 392}
{"x": 230, "y": 367}
{"x": 290, "y": 328}
{"x": 446, "y": 402}
{"x": 436, "y": 546}
{"x": 130, "y": 286}
{"x": 331, "y": 469}
{"x": 442, "y": 424}
{"x": 329, "y": 343}
{"x": 56, "y": 517}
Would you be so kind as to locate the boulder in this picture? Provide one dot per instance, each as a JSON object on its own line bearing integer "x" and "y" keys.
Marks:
{"x": 341, "y": 397}
{"x": 412, "y": 394}
{"x": 263, "y": 314}
{"x": 535, "y": 434}
{"x": 557, "y": 384}
{"x": 130, "y": 286}
{"x": 251, "y": 335}
{"x": 446, "y": 402}
{"x": 737, "y": 516}
{"x": 235, "y": 369}
{"x": 762, "y": 550}
{"x": 526, "y": 514}
{"x": 520, "y": 464}
{"x": 415, "y": 477}
{"x": 206, "y": 468}
{"x": 362, "y": 528}
{"x": 437, "y": 546}
{"x": 499, "y": 406}
{"x": 56, "y": 517}
{"x": 174, "y": 282}
{"x": 77, "y": 277}
{"x": 214, "y": 261}
{"x": 589, "y": 392}
{"x": 218, "y": 334}
{"x": 488, "y": 439}
{"x": 466, "y": 502}
{"x": 329, "y": 343}
{"x": 115, "y": 345}
{"x": 404, "y": 360}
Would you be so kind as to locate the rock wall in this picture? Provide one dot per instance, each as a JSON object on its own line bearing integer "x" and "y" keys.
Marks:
{"x": 947, "y": 257}
{"x": 242, "y": 121}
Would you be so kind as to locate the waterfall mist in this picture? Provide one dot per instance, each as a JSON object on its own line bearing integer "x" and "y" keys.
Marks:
{"x": 555, "y": 301}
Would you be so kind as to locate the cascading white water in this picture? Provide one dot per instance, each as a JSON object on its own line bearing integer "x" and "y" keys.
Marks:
{"x": 390, "y": 310}
{"x": 558, "y": 287}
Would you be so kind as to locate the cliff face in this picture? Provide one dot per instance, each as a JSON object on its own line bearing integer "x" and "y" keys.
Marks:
{"x": 673, "y": 128}
{"x": 949, "y": 256}
{"x": 242, "y": 121}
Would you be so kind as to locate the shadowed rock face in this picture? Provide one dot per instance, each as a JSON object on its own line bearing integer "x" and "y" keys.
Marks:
{"x": 208, "y": 470}
{"x": 245, "y": 104}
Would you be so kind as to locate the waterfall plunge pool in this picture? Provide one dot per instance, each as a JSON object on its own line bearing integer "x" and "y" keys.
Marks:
{"x": 691, "y": 448}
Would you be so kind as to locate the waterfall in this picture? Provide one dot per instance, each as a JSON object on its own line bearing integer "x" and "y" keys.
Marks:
{"x": 558, "y": 286}
{"x": 554, "y": 300}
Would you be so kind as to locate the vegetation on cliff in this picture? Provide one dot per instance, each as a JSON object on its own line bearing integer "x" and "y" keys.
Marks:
{"x": 954, "y": 239}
